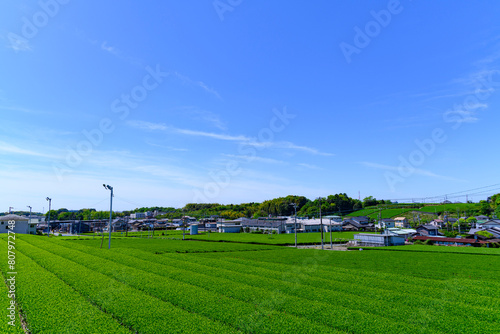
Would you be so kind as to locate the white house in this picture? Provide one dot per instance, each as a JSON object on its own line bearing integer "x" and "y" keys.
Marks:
{"x": 385, "y": 223}
{"x": 138, "y": 215}
{"x": 22, "y": 225}
{"x": 437, "y": 222}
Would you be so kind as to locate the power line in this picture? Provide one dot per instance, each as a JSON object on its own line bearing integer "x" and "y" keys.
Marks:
{"x": 464, "y": 192}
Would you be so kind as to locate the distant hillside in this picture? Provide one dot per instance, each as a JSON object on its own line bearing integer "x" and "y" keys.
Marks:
{"x": 451, "y": 209}
{"x": 391, "y": 211}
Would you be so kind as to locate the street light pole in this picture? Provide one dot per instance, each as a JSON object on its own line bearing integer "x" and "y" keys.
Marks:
{"x": 110, "y": 212}
{"x": 29, "y": 225}
{"x": 48, "y": 222}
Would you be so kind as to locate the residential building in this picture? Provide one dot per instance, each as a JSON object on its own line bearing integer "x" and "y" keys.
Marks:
{"x": 489, "y": 223}
{"x": 482, "y": 219}
{"x": 360, "y": 219}
{"x": 138, "y": 215}
{"x": 333, "y": 219}
{"x": 428, "y": 230}
{"x": 352, "y": 225}
{"x": 22, "y": 225}
{"x": 437, "y": 222}
{"x": 401, "y": 222}
{"x": 385, "y": 223}
{"x": 495, "y": 231}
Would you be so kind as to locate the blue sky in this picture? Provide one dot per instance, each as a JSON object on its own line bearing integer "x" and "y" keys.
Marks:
{"x": 173, "y": 102}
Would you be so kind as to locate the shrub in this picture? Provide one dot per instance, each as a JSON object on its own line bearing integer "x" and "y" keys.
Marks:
{"x": 485, "y": 234}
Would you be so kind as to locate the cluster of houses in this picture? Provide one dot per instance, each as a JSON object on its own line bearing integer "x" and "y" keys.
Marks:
{"x": 396, "y": 231}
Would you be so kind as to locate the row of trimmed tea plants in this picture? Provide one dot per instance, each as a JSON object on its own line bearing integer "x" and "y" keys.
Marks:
{"x": 144, "y": 286}
{"x": 209, "y": 311}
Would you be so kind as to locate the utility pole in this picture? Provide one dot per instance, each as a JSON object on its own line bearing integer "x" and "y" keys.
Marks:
{"x": 295, "y": 224}
{"x": 331, "y": 241}
{"x": 48, "y": 222}
{"x": 184, "y": 226}
{"x": 321, "y": 222}
{"x": 379, "y": 220}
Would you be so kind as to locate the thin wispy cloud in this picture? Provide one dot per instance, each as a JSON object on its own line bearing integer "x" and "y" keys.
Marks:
{"x": 240, "y": 138}
{"x": 250, "y": 158}
{"x": 24, "y": 110}
{"x": 145, "y": 166}
{"x": 170, "y": 148}
{"x": 413, "y": 121}
{"x": 205, "y": 116}
{"x": 200, "y": 84}
{"x": 109, "y": 48}
{"x": 17, "y": 43}
{"x": 416, "y": 171}
{"x": 462, "y": 116}
{"x": 311, "y": 150}
{"x": 147, "y": 125}
{"x": 489, "y": 59}
{"x": 8, "y": 148}
{"x": 309, "y": 166}
{"x": 105, "y": 46}
{"x": 212, "y": 135}
{"x": 160, "y": 126}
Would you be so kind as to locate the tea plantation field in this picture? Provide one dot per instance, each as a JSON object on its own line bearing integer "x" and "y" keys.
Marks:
{"x": 65, "y": 285}
{"x": 247, "y": 238}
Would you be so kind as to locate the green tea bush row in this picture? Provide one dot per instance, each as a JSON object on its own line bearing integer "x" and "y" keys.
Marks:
{"x": 241, "y": 315}
{"x": 135, "y": 309}
{"x": 50, "y": 306}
